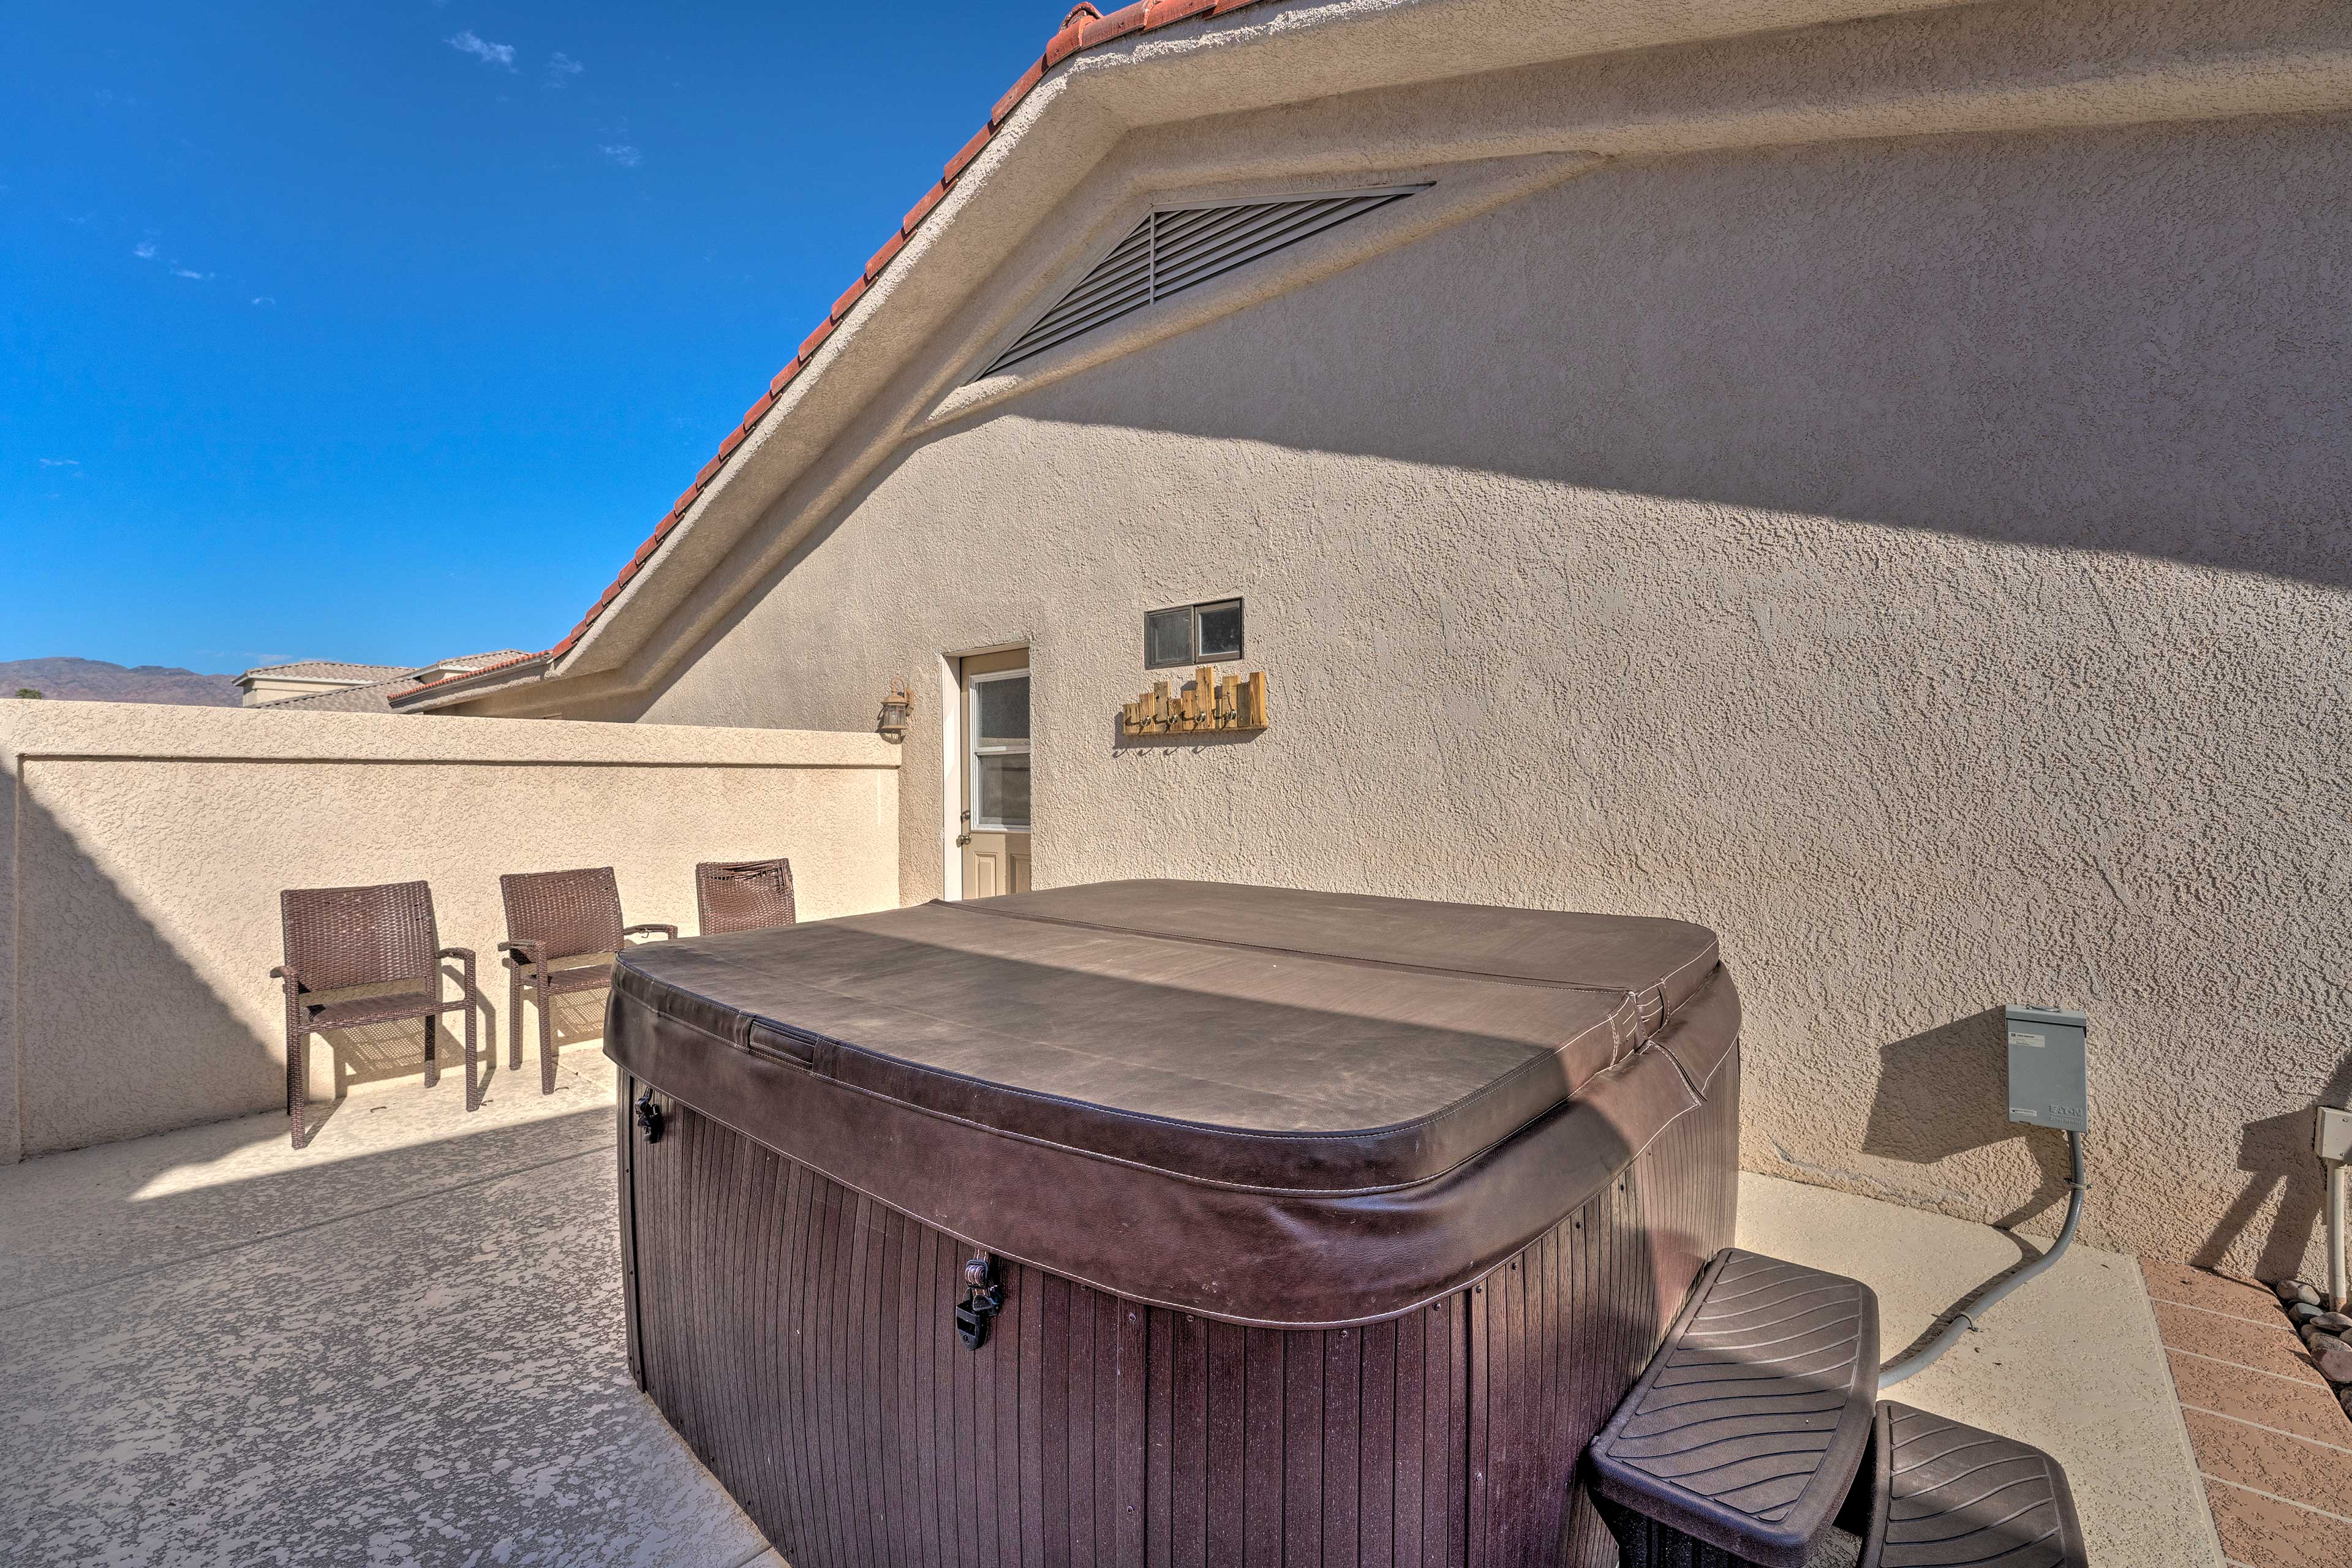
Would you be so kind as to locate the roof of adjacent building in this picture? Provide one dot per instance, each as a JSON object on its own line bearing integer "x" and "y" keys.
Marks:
{"x": 327, "y": 670}
{"x": 375, "y": 696}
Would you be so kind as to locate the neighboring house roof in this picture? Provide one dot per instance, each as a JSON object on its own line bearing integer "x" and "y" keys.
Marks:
{"x": 375, "y": 696}
{"x": 327, "y": 670}
{"x": 506, "y": 666}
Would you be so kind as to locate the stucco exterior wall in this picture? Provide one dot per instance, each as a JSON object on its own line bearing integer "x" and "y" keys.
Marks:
{"x": 1923, "y": 561}
{"x": 145, "y": 847}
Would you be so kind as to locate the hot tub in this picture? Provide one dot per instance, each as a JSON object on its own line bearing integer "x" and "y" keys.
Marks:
{"x": 1168, "y": 1222}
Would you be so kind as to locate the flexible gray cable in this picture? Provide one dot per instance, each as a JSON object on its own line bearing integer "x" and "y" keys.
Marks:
{"x": 1965, "y": 1315}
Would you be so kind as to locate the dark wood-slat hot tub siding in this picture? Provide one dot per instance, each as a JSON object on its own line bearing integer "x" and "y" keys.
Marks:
{"x": 799, "y": 1335}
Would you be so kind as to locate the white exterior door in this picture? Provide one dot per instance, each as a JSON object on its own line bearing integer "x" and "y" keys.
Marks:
{"x": 995, "y": 774}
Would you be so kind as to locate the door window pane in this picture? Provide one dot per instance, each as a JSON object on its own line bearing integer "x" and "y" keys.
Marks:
{"x": 1168, "y": 637}
{"x": 1220, "y": 630}
{"x": 1003, "y": 711}
{"x": 1004, "y": 791}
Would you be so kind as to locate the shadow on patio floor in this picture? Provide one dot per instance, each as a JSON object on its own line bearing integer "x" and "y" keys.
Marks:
{"x": 400, "y": 1345}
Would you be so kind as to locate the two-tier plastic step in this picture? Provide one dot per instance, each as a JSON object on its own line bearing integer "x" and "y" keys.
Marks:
{"x": 1745, "y": 1433}
{"x": 1744, "y": 1446}
{"x": 1944, "y": 1493}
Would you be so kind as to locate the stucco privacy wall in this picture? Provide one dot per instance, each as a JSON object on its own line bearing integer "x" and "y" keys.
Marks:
{"x": 1923, "y": 561}
{"x": 149, "y": 845}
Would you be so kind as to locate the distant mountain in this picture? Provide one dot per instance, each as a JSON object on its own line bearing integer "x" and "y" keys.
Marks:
{"x": 95, "y": 680}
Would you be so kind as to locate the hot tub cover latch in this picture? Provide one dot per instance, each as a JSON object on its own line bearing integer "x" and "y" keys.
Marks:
{"x": 649, "y": 1116}
{"x": 983, "y": 1298}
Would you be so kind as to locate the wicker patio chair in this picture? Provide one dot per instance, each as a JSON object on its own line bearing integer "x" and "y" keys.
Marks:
{"x": 553, "y": 915}
{"x": 743, "y": 895}
{"x": 343, "y": 938}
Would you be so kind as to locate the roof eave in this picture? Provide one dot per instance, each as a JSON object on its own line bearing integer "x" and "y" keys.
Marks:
{"x": 476, "y": 683}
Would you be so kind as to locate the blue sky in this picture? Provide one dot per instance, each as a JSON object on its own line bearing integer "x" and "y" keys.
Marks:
{"x": 386, "y": 332}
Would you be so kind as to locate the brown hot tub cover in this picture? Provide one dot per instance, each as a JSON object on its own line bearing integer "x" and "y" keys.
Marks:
{"x": 1267, "y": 1106}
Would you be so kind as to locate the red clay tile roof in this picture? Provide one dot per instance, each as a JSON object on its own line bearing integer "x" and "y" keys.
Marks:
{"x": 1083, "y": 28}
{"x": 401, "y": 700}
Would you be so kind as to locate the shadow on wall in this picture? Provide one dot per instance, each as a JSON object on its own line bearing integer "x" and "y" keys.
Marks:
{"x": 2075, "y": 340}
{"x": 1932, "y": 1102}
{"x": 1986, "y": 336}
{"x": 2275, "y": 1153}
{"x": 174, "y": 1050}
{"x": 1940, "y": 1095}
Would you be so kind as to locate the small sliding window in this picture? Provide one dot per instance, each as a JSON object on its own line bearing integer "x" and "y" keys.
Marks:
{"x": 1186, "y": 634}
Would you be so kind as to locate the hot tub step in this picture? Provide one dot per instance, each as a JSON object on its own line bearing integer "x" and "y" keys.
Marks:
{"x": 1945, "y": 1493}
{"x": 1748, "y": 1429}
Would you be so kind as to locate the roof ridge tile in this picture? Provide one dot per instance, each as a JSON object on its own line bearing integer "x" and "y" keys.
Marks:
{"x": 1118, "y": 25}
{"x": 1016, "y": 93}
{"x": 881, "y": 258}
{"x": 963, "y": 160}
{"x": 1161, "y": 13}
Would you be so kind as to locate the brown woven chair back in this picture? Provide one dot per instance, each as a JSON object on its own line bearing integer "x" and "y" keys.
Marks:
{"x": 359, "y": 936}
{"x": 570, "y": 912}
{"x": 743, "y": 895}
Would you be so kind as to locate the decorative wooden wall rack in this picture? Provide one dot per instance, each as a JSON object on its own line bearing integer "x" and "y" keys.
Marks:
{"x": 1233, "y": 705}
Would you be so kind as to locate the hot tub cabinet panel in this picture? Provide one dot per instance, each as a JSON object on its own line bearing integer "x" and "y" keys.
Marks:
{"x": 792, "y": 1310}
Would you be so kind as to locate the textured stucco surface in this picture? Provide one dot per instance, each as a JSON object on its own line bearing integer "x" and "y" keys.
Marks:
{"x": 150, "y": 844}
{"x": 400, "y": 1346}
{"x": 1923, "y": 561}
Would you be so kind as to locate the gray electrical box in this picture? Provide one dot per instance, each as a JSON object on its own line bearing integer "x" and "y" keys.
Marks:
{"x": 2048, "y": 1084}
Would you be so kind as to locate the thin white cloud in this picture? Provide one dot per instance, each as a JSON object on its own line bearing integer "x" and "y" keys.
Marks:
{"x": 489, "y": 54}
{"x": 561, "y": 68}
{"x": 626, "y": 156}
{"x": 265, "y": 298}
{"x": 144, "y": 250}
{"x": 61, "y": 462}
{"x": 192, "y": 276}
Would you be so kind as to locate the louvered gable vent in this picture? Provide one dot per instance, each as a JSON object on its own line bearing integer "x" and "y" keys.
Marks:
{"x": 1176, "y": 248}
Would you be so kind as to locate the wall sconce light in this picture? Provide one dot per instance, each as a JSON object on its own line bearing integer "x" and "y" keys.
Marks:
{"x": 892, "y": 725}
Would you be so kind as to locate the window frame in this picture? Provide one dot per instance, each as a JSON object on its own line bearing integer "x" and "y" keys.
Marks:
{"x": 975, "y": 749}
{"x": 1193, "y": 657}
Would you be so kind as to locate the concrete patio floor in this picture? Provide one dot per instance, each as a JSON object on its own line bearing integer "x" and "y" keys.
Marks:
{"x": 404, "y": 1345}
{"x": 400, "y": 1345}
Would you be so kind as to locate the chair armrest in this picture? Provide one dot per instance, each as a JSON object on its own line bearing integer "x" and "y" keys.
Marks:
{"x": 669, "y": 931}
{"x": 530, "y": 951}
{"x": 463, "y": 954}
{"x": 292, "y": 977}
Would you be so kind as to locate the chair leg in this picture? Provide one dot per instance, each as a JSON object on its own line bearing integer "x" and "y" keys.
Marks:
{"x": 514, "y": 1019}
{"x": 546, "y": 1040}
{"x": 297, "y": 1084}
{"x": 473, "y": 1093}
{"x": 432, "y": 1060}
